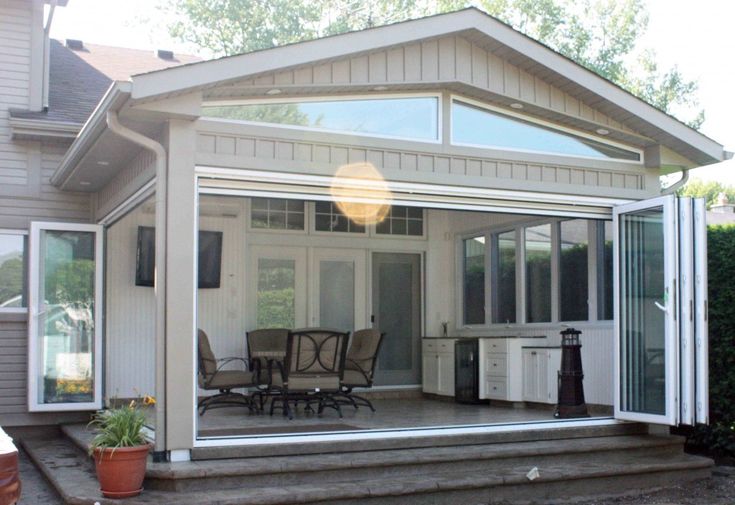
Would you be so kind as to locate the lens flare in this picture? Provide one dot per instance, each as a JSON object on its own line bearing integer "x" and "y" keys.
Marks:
{"x": 361, "y": 193}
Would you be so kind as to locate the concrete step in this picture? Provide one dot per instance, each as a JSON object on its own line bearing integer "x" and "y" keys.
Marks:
{"x": 348, "y": 467}
{"x": 72, "y": 473}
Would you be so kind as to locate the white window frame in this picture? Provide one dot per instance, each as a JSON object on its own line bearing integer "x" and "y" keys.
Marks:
{"x": 490, "y": 234}
{"x": 326, "y": 233}
{"x": 332, "y": 98}
{"x": 424, "y": 216}
{"x": 26, "y": 262}
{"x": 33, "y": 299}
{"x": 255, "y": 229}
{"x": 540, "y": 122}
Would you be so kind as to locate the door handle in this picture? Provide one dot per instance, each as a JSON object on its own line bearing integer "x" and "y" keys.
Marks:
{"x": 661, "y": 307}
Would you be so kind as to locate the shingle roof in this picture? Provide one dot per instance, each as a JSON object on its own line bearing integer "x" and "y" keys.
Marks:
{"x": 79, "y": 78}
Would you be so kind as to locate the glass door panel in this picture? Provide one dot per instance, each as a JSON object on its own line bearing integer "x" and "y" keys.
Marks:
{"x": 397, "y": 313}
{"x": 277, "y": 287}
{"x": 338, "y": 291}
{"x": 646, "y": 311}
{"x": 65, "y": 314}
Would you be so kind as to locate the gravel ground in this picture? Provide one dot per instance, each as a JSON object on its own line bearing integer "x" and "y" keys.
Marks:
{"x": 719, "y": 490}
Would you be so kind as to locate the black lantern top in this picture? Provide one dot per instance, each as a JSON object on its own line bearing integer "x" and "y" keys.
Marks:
{"x": 570, "y": 337}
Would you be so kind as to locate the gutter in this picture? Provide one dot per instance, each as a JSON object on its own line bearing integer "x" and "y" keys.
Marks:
{"x": 678, "y": 184}
{"x": 160, "y": 271}
{"x": 46, "y": 55}
{"x": 116, "y": 95}
{"x": 22, "y": 128}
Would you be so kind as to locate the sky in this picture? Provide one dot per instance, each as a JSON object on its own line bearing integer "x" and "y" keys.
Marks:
{"x": 697, "y": 37}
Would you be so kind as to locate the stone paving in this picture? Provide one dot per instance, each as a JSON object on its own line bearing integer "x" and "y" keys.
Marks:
{"x": 36, "y": 489}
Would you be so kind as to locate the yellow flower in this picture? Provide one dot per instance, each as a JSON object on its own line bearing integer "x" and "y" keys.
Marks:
{"x": 149, "y": 400}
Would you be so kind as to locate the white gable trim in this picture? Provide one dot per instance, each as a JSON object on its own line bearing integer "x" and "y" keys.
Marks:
{"x": 178, "y": 79}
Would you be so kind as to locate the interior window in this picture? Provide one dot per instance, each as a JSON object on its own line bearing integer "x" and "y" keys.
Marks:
{"x": 414, "y": 118}
{"x": 402, "y": 221}
{"x": 478, "y": 126}
{"x": 12, "y": 271}
{"x": 538, "y": 273}
{"x": 328, "y": 217}
{"x": 277, "y": 214}
{"x": 573, "y": 260}
{"x": 604, "y": 270}
{"x": 474, "y": 280}
{"x": 504, "y": 278}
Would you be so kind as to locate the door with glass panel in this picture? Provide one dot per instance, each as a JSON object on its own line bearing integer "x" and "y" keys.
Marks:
{"x": 277, "y": 287}
{"x": 660, "y": 324}
{"x": 338, "y": 290}
{"x": 65, "y": 314}
{"x": 396, "y": 302}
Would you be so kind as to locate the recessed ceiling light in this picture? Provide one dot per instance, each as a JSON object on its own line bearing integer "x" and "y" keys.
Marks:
{"x": 274, "y": 91}
{"x": 103, "y": 163}
{"x": 516, "y": 105}
{"x": 380, "y": 88}
{"x": 84, "y": 183}
{"x": 602, "y": 131}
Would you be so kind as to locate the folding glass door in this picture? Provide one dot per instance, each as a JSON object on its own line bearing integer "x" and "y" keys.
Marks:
{"x": 65, "y": 305}
{"x": 660, "y": 304}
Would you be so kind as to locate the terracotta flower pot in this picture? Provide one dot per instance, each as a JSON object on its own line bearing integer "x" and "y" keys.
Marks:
{"x": 121, "y": 471}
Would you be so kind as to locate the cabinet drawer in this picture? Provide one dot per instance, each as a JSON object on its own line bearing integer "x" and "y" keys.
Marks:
{"x": 445, "y": 346}
{"x": 497, "y": 345}
{"x": 496, "y": 365}
{"x": 496, "y": 389}
{"x": 429, "y": 345}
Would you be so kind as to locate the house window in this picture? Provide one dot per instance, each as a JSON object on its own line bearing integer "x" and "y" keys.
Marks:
{"x": 411, "y": 118}
{"x": 504, "y": 277}
{"x": 573, "y": 274}
{"x": 604, "y": 270}
{"x": 478, "y": 126}
{"x": 328, "y": 217}
{"x": 538, "y": 273}
{"x": 12, "y": 271}
{"x": 277, "y": 214}
{"x": 474, "y": 280}
{"x": 402, "y": 221}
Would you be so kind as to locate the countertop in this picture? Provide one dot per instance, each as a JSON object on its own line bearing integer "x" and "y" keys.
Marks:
{"x": 490, "y": 336}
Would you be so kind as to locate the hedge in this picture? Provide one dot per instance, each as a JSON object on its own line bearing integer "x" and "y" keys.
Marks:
{"x": 719, "y": 437}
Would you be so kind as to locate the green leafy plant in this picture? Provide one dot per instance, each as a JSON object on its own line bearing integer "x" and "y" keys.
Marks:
{"x": 120, "y": 426}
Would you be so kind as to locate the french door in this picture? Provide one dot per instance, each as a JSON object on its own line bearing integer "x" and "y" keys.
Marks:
{"x": 65, "y": 317}
{"x": 338, "y": 290}
{"x": 660, "y": 311}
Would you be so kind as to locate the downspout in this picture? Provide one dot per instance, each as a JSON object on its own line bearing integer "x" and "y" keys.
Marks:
{"x": 46, "y": 55}
{"x": 160, "y": 272}
{"x": 678, "y": 184}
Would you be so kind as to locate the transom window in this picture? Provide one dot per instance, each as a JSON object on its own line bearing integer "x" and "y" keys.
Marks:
{"x": 12, "y": 271}
{"x": 402, "y": 221}
{"x": 411, "y": 118}
{"x": 328, "y": 217}
{"x": 277, "y": 214}
{"x": 477, "y": 126}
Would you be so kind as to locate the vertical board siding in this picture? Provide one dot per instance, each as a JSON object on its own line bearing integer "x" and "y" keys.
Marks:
{"x": 447, "y": 59}
{"x": 13, "y": 365}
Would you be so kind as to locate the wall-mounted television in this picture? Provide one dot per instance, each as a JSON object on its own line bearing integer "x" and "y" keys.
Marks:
{"x": 210, "y": 257}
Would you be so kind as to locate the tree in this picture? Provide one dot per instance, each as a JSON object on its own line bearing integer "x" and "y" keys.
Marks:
{"x": 601, "y": 35}
{"x": 710, "y": 190}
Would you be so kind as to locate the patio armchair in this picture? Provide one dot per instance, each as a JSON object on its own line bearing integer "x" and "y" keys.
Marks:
{"x": 312, "y": 369}
{"x": 362, "y": 356}
{"x": 212, "y": 377}
{"x": 266, "y": 348}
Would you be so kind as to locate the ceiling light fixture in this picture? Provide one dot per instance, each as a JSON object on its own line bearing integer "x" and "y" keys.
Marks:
{"x": 274, "y": 91}
{"x": 380, "y": 88}
{"x": 103, "y": 163}
{"x": 516, "y": 105}
{"x": 84, "y": 183}
{"x": 602, "y": 131}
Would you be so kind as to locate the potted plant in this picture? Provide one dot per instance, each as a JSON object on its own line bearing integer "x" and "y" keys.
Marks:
{"x": 120, "y": 449}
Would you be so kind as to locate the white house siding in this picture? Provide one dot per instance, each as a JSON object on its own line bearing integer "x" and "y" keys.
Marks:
{"x": 451, "y": 59}
{"x": 231, "y": 145}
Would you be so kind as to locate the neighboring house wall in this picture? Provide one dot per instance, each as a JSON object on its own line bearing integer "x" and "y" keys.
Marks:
{"x": 25, "y": 192}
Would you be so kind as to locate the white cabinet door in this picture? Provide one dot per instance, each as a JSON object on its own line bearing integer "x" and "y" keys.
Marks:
{"x": 446, "y": 373}
{"x": 430, "y": 372}
{"x": 530, "y": 375}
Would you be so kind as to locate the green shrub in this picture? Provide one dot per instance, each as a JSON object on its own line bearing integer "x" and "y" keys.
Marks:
{"x": 719, "y": 436}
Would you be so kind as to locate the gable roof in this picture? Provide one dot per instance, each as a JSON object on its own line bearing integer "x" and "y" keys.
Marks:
{"x": 78, "y": 79}
{"x": 527, "y": 54}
